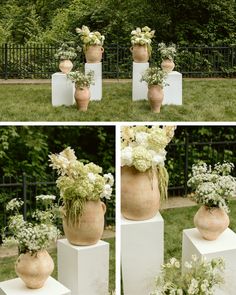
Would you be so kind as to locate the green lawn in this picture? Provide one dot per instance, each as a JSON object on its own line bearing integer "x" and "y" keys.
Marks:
{"x": 7, "y": 265}
{"x": 203, "y": 100}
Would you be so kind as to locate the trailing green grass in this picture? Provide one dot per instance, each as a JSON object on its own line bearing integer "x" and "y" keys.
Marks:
{"x": 203, "y": 100}
{"x": 7, "y": 264}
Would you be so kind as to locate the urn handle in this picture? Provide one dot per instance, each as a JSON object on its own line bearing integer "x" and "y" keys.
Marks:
{"x": 102, "y": 49}
{"x": 104, "y": 207}
{"x": 131, "y": 49}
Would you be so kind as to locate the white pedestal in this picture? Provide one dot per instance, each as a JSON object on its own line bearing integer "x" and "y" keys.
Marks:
{"x": 173, "y": 92}
{"x": 140, "y": 89}
{"x": 84, "y": 269}
{"x": 96, "y": 89}
{"x": 142, "y": 253}
{"x": 17, "y": 287}
{"x": 224, "y": 246}
{"x": 62, "y": 90}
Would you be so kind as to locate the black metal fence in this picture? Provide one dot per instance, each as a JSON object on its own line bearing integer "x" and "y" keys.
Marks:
{"x": 37, "y": 61}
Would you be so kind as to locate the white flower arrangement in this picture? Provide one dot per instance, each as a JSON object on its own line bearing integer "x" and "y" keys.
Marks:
{"x": 142, "y": 36}
{"x": 79, "y": 182}
{"x": 213, "y": 186}
{"x": 143, "y": 148}
{"x": 155, "y": 76}
{"x": 80, "y": 79}
{"x": 32, "y": 236}
{"x": 167, "y": 52}
{"x": 66, "y": 52}
{"x": 200, "y": 277}
{"x": 90, "y": 38}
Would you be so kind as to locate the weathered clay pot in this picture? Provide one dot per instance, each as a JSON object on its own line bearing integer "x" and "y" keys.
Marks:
{"x": 34, "y": 269}
{"x": 167, "y": 65}
{"x": 140, "y": 53}
{"x": 82, "y": 96}
{"x": 155, "y": 97}
{"x": 94, "y": 53}
{"x": 140, "y": 196}
{"x": 89, "y": 228}
{"x": 65, "y": 66}
{"x": 211, "y": 222}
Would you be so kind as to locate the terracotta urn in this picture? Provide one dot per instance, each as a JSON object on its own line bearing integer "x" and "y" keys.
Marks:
{"x": 140, "y": 196}
{"x": 88, "y": 229}
{"x": 155, "y": 97}
{"x": 82, "y": 97}
{"x": 65, "y": 66}
{"x": 93, "y": 53}
{"x": 211, "y": 222}
{"x": 167, "y": 65}
{"x": 34, "y": 269}
{"x": 140, "y": 53}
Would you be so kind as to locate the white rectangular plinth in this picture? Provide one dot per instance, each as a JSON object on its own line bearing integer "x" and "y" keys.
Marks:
{"x": 173, "y": 92}
{"x": 142, "y": 252}
{"x": 140, "y": 89}
{"x": 224, "y": 246}
{"x": 62, "y": 90}
{"x": 96, "y": 89}
{"x": 17, "y": 287}
{"x": 84, "y": 269}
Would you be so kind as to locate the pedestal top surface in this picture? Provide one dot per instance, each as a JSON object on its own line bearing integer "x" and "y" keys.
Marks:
{"x": 17, "y": 287}
{"x": 156, "y": 218}
{"x": 174, "y": 73}
{"x": 98, "y": 244}
{"x": 226, "y": 241}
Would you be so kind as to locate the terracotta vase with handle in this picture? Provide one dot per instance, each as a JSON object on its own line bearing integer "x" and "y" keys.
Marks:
{"x": 89, "y": 227}
{"x": 65, "y": 66}
{"x": 140, "y": 53}
{"x": 140, "y": 196}
{"x": 93, "y": 53}
{"x": 211, "y": 222}
{"x": 82, "y": 97}
{"x": 167, "y": 65}
{"x": 34, "y": 269}
{"x": 155, "y": 97}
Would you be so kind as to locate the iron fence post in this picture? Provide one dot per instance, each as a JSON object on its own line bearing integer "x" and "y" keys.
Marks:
{"x": 24, "y": 184}
{"x": 186, "y": 164}
{"x": 117, "y": 61}
{"x": 5, "y": 61}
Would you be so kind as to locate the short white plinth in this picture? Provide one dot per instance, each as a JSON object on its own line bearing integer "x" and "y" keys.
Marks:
{"x": 84, "y": 269}
{"x": 17, "y": 287}
{"x": 173, "y": 92}
{"x": 140, "y": 89}
{"x": 142, "y": 252}
{"x": 62, "y": 90}
{"x": 224, "y": 246}
{"x": 96, "y": 89}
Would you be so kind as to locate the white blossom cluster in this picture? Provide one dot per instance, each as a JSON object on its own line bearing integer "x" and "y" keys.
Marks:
{"x": 31, "y": 236}
{"x": 144, "y": 147}
{"x": 200, "y": 277}
{"x": 142, "y": 36}
{"x": 213, "y": 185}
{"x": 167, "y": 52}
{"x": 45, "y": 198}
{"x": 90, "y": 38}
{"x": 155, "y": 76}
{"x": 80, "y": 79}
{"x": 14, "y": 204}
{"x": 66, "y": 52}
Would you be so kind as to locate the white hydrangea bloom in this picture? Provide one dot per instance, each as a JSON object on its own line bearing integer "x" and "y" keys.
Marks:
{"x": 126, "y": 156}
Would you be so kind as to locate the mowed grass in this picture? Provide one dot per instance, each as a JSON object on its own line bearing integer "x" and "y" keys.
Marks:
{"x": 7, "y": 264}
{"x": 203, "y": 100}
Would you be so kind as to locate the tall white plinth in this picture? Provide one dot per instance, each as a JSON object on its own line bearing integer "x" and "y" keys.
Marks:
{"x": 173, "y": 92}
{"x": 142, "y": 252}
{"x": 17, "y": 287}
{"x": 84, "y": 269}
{"x": 139, "y": 89}
{"x": 62, "y": 90}
{"x": 96, "y": 89}
{"x": 224, "y": 246}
